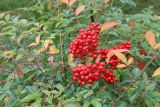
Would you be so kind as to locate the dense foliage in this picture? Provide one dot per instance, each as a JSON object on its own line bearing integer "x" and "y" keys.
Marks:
{"x": 80, "y": 53}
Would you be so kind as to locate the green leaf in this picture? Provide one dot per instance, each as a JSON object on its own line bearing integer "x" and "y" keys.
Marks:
{"x": 30, "y": 97}
{"x": 89, "y": 93}
{"x": 151, "y": 86}
{"x": 135, "y": 72}
{"x": 86, "y": 104}
{"x": 60, "y": 87}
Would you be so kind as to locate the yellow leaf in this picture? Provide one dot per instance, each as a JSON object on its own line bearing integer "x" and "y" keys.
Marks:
{"x": 156, "y": 72}
{"x": 53, "y": 50}
{"x": 150, "y": 38}
{"x": 106, "y": 1}
{"x": 80, "y": 9}
{"x": 157, "y": 46}
{"x": 38, "y": 39}
{"x": 121, "y": 66}
{"x": 130, "y": 60}
{"x": 109, "y": 55}
{"x": 121, "y": 56}
{"x": 46, "y": 44}
{"x": 108, "y": 25}
{"x": 41, "y": 50}
{"x": 32, "y": 44}
{"x": 70, "y": 61}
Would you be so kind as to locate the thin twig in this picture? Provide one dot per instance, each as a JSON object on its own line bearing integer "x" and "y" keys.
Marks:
{"x": 61, "y": 51}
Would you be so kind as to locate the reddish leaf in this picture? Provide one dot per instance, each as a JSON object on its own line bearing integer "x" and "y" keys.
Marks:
{"x": 80, "y": 9}
{"x": 108, "y": 25}
{"x": 106, "y": 1}
{"x": 150, "y": 38}
{"x": 38, "y": 39}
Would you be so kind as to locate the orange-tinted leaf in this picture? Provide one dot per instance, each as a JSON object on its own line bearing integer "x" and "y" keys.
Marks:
{"x": 46, "y": 44}
{"x": 157, "y": 46}
{"x": 108, "y": 25}
{"x": 38, "y": 39}
{"x": 121, "y": 66}
{"x": 106, "y": 1}
{"x": 80, "y": 9}
{"x": 156, "y": 72}
{"x": 109, "y": 55}
{"x": 71, "y": 2}
{"x": 53, "y": 50}
{"x": 121, "y": 56}
{"x": 130, "y": 60}
{"x": 150, "y": 38}
{"x": 32, "y": 44}
{"x": 132, "y": 24}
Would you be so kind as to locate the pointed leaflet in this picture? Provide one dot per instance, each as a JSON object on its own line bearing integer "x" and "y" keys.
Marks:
{"x": 121, "y": 66}
{"x": 80, "y": 9}
{"x": 150, "y": 38}
{"x": 156, "y": 72}
{"x": 38, "y": 39}
{"x": 111, "y": 53}
{"x": 121, "y": 56}
{"x": 130, "y": 60}
{"x": 32, "y": 44}
{"x": 46, "y": 44}
{"x": 106, "y": 1}
{"x": 70, "y": 61}
{"x": 157, "y": 46}
{"x": 53, "y": 50}
{"x": 108, "y": 25}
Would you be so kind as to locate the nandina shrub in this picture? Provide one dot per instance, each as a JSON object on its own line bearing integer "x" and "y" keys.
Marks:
{"x": 68, "y": 54}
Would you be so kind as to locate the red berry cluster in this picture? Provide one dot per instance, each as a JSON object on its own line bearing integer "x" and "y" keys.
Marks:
{"x": 115, "y": 60}
{"x": 141, "y": 64}
{"x": 84, "y": 46}
{"x": 86, "y": 42}
{"x": 142, "y": 52}
{"x": 91, "y": 73}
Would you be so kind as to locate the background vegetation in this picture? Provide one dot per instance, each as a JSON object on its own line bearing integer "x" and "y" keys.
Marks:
{"x": 36, "y": 67}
